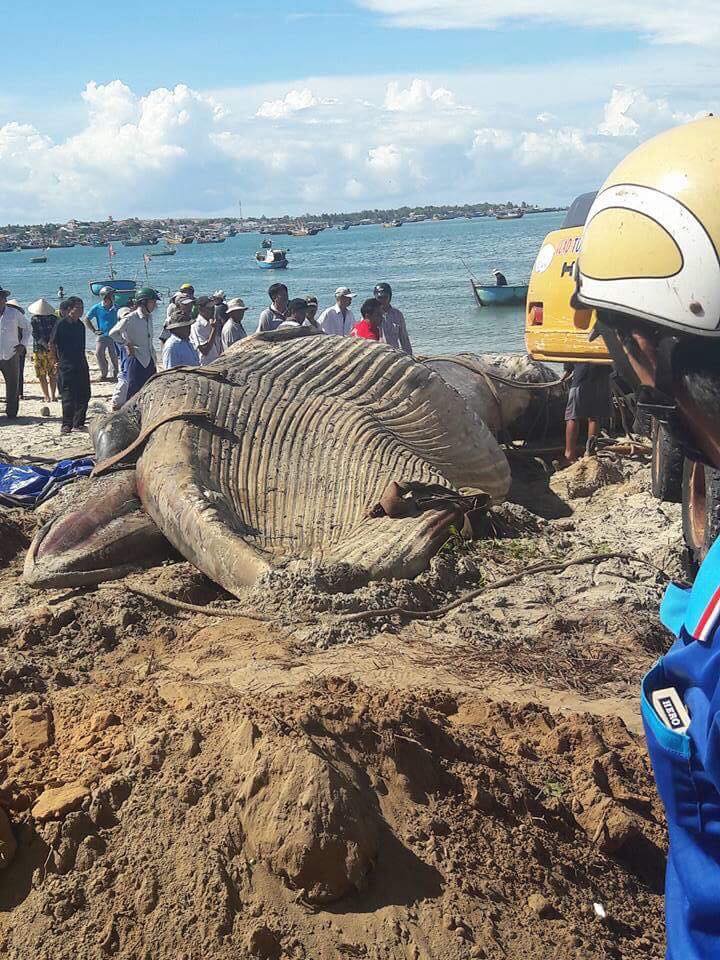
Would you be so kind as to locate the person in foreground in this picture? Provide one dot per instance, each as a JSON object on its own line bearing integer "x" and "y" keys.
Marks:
{"x": 101, "y": 319}
{"x": 135, "y": 333}
{"x": 233, "y": 329}
{"x": 589, "y": 400}
{"x": 368, "y": 328}
{"x": 67, "y": 344}
{"x": 43, "y": 320}
{"x": 12, "y": 321}
{"x": 177, "y": 349}
{"x": 650, "y": 267}
{"x": 393, "y": 329}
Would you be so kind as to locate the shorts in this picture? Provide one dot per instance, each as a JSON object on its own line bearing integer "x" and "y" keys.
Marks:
{"x": 44, "y": 364}
{"x": 591, "y": 399}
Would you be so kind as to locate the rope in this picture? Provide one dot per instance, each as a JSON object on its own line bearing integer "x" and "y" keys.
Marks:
{"x": 191, "y": 607}
{"x": 505, "y": 582}
{"x": 106, "y": 465}
{"x": 481, "y": 371}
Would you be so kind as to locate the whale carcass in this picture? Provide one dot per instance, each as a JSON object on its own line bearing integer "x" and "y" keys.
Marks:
{"x": 279, "y": 451}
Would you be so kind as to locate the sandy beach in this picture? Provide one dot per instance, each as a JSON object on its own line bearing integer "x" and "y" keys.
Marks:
{"x": 34, "y": 434}
{"x": 270, "y": 780}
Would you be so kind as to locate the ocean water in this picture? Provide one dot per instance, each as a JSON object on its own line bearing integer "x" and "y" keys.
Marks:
{"x": 426, "y": 263}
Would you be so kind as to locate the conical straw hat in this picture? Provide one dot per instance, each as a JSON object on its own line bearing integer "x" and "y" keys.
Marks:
{"x": 41, "y": 308}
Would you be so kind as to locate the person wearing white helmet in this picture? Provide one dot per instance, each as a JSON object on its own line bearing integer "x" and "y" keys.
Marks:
{"x": 650, "y": 267}
{"x": 101, "y": 319}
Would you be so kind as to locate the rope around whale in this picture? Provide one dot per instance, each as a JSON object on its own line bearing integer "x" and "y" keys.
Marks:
{"x": 546, "y": 567}
{"x": 358, "y": 616}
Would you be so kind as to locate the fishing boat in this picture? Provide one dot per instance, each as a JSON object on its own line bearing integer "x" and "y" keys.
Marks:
{"x": 38, "y": 259}
{"x": 271, "y": 259}
{"x": 304, "y": 231}
{"x": 495, "y": 296}
{"x": 393, "y": 223}
{"x": 343, "y": 226}
{"x": 178, "y": 238}
{"x": 509, "y": 215}
{"x": 211, "y": 239}
{"x": 163, "y": 253}
{"x": 5, "y": 247}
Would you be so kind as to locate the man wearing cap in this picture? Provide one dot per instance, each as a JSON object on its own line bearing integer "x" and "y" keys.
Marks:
{"x": 205, "y": 333}
{"x": 120, "y": 392}
{"x": 12, "y": 321}
{"x": 218, "y": 299}
{"x": 338, "y": 320}
{"x": 311, "y": 312}
{"x": 393, "y": 330}
{"x": 500, "y": 279}
{"x": 101, "y": 319}
{"x": 177, "y": 350}
{"x": 233, "y": 329}
{"x": 135, "y": 333}
{"x": 273, "y": 316}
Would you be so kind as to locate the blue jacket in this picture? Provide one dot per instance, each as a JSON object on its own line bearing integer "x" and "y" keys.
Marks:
{"x": 687, "y": 765}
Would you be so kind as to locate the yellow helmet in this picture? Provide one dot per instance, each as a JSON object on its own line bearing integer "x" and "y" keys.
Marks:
{"x": 652, "y": 236}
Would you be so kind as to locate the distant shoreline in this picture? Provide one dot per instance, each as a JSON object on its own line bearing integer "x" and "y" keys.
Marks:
{"x": 211, "y": 229}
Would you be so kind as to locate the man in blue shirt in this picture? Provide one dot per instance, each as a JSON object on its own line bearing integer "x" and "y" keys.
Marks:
{"x": 650, "y": 266}
{"x": 101, "y": 319}
{"x": 177, "y": 349}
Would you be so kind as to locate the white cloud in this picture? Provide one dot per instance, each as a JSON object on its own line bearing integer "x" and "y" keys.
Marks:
{"x": 630, "y": 111}
{"x": 694, "y": 22}
{"x": 372, "y": 142}
{"x": 293, "y": 102}
{"x": 418, "y": 96}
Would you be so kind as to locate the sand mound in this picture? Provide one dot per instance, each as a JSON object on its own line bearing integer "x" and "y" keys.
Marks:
{"x": 183, "y": 822}
{"x": 309, "y": 816}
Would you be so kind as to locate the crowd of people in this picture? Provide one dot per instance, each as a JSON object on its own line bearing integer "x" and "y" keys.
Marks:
{"x": 196, "y": 331}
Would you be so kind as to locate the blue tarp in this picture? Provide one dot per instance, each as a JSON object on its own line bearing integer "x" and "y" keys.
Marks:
{"x": 22, "y": 485}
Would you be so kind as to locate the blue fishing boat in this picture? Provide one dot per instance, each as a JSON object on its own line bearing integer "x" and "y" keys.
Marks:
{"x": 271, "y": 259}
{"x": 495, "y": 296}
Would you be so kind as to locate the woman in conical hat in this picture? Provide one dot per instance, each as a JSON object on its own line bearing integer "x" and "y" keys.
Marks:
{"x": 42, "y": 320}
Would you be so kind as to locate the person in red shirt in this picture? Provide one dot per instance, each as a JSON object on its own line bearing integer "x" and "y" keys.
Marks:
{"x": 368, "y": 328}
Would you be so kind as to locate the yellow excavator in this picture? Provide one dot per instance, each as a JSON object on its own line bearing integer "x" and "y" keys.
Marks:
{"x": 554, "y": 330}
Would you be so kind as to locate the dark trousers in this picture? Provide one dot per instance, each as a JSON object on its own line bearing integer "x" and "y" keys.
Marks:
{"x": 21, "y": 373}
{"x": 137, "y": 375}
{"x": 74, "y": 383}
{"x": 10, "y": 370}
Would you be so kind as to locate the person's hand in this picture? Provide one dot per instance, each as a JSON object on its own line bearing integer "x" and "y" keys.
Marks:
{"x": 20, "y": 348}
{"x": 130, "y": 350}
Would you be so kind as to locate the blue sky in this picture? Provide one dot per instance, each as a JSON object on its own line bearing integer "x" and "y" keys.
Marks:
{"x": 421, "y": 100}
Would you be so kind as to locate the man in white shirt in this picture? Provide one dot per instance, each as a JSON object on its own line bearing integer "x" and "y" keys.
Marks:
{"x": 206, "y": 332}
{"x": 233, "y": 329}
{"x": 338, "y": 320}
{"x": 12, "y": 323}
{"x": 135, "y": 333}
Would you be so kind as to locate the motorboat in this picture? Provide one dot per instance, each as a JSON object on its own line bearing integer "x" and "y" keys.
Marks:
{"x": 170, "y": 252}
{"x": 393, "y": 223}
{"x": 492, "y": 295}
{"x": 124, "y": 289}
{"x": 271, "y": 259}
{"x": 510, "y": 215}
